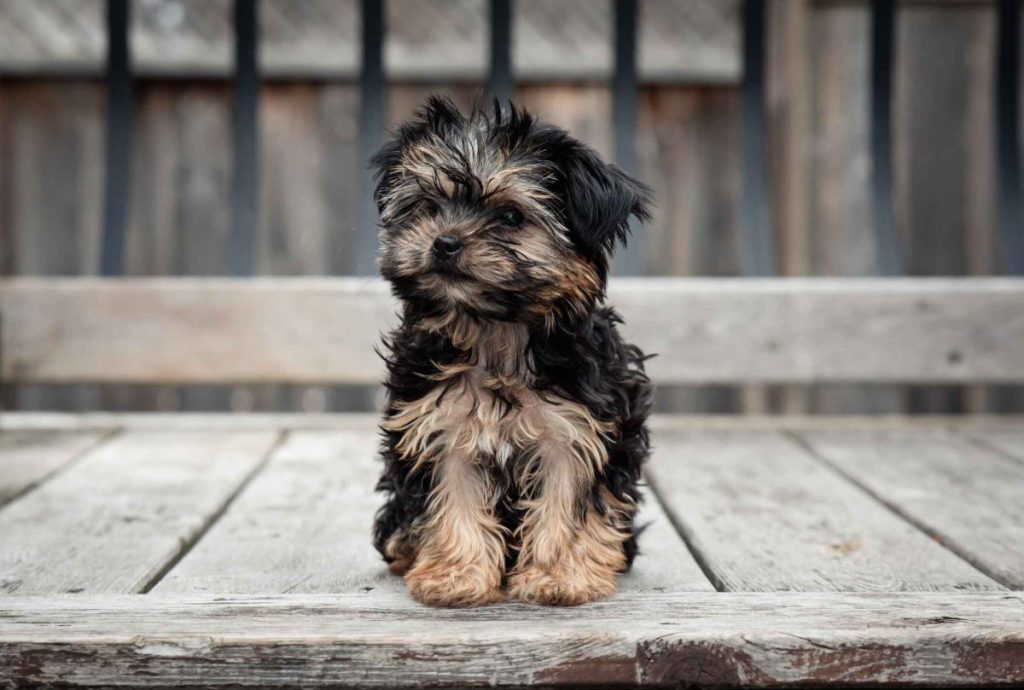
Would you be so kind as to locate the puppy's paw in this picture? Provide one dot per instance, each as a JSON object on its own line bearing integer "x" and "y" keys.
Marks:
{"x": 560, "y": 587}
{"x": 447, "y": 584}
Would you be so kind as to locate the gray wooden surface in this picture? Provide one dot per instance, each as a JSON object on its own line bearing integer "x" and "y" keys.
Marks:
{"x": 303, "y": 525}
{"x": 248, "y": 538}
{"x": 114, "y": 520}
{"x": 763, "y": 515}
{"x": 1008, "y": 441}
{"x": 968, "y": 497}
{"x": 692, "y": 639}
{"x": 28, "y": 457}
{"x": 704, "y": 331}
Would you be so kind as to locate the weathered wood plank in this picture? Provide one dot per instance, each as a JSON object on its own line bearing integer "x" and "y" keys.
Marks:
{"x": 303, "y": 525}
{"x": 664, "y": 563}
{"x": 764, "y": 515}
{"x": 52, "y": 139}
{"x": 184, "y": 421}
{"x": 212, "y": 316}
{"x": 840, "y": 242}
{"x": 177, "y": 421}
{"x": 700, "y": 639}
{"x": 29, "y": 457}
{"x": 722, "y": 331}
{"x": 1009, "y": 441}
{"x": 970, "y": 498}
{"x": 119, "y": 516}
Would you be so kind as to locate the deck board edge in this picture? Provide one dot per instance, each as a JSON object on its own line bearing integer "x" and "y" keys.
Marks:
{"x": 721, "y": 639}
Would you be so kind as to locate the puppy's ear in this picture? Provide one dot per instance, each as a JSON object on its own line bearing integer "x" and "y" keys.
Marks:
{"x": 599, "y": 199}
{"x": 440, "y": 113}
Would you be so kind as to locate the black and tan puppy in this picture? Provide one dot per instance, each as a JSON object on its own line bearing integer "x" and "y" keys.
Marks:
{"x": 514, "y": 430}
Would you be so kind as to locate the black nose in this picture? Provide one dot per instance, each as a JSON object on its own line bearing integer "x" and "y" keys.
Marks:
{"x": 447, "y": 246}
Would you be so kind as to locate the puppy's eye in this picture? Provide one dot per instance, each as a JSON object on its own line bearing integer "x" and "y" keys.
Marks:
{"x": 510, "y": 217}
{"x": 429, "y": 207}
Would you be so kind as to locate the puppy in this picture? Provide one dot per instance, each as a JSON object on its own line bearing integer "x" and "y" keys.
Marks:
{"x": 515, "y": 423}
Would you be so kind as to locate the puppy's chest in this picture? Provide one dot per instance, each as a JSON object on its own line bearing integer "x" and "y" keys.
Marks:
{"x": 488, "y": 407}
{"x": 493, "y": 410}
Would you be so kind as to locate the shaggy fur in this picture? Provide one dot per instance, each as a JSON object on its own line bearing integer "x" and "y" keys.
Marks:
{"x": 515, "y": 425}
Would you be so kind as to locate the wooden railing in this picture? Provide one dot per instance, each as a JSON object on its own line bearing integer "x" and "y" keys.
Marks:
{"x": 758, "y": 255}
{"x": 764, "y": 250}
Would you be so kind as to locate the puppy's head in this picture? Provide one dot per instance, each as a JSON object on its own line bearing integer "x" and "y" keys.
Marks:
{"x": 496, "y": 215}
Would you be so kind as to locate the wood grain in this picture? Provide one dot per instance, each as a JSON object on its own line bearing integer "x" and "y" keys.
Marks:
{"x": 982, "y": 425}
{"x": 29, "y": 457}
{"x": 1008, "y": 441}
{"x": 52, "y": 139}
{"x": 303, "y": 525}
{"x": 969, "y": 498}
{"x": 119, "y": 516}
{"x": 695, "y": 639}
{"x": 722, "y": 331}
{"x": 764, "y": 515}
{"x": 840, "y": 242}
{"x": 664, "y": 563}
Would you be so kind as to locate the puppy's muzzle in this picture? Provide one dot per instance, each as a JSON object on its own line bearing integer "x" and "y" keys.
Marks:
{"x": 446, "y": 247}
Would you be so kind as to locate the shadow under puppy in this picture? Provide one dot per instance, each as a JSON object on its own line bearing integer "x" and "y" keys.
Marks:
{"x": 515, "y": 424}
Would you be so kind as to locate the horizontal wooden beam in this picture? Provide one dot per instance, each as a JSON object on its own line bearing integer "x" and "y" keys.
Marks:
{"x": 220, "y": 421}
{"x": 702, "y": 639}
{"x": 704, "y": 331}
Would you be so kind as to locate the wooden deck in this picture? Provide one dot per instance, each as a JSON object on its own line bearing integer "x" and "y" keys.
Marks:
{"x": 187, "y": 550}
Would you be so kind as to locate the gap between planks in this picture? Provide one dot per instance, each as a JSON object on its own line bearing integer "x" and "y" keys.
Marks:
{"x": 920, "y": 476}
{"x": 762, "y": 514}
{"x": 1007, "y": 443}
{"x": 24, "y": 465}
{"x": 189, "y": 544}
{"x": 304, "y": 524}
{"x": 113, "y": 521}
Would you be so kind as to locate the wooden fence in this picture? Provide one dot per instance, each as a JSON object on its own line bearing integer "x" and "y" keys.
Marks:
{"x": 568, "y": 64}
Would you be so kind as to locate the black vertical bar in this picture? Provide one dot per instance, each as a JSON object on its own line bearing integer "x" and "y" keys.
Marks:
{"x": 757, "y": 255}
{"x": 119, "y": 137}
{"x": 629, "y": 261}
{"x": 499, "y": 77}
{"x": 1008, "y": 154}
{"x": 883, "y": 38}
{"x": 371, "y": 125}
{"x": 245, "y": 181}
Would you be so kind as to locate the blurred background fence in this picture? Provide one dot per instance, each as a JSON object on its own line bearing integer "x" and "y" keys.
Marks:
{"x": 657, "y": 85}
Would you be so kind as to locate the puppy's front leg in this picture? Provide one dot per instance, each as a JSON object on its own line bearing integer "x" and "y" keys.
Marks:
{"x": 461, "y": 557}
{"x": 571, "y": 547}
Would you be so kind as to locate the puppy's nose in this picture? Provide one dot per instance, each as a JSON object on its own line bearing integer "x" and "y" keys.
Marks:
{"x": 447, "y": 246}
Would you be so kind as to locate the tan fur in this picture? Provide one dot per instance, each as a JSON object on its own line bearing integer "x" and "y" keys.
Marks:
{"x": 572, "y": 283}
{"x": 564, "y": 558}
{"x": 461, "y": 556}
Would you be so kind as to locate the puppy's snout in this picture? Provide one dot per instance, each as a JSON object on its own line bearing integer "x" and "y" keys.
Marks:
{"x": 447, "y": 246}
